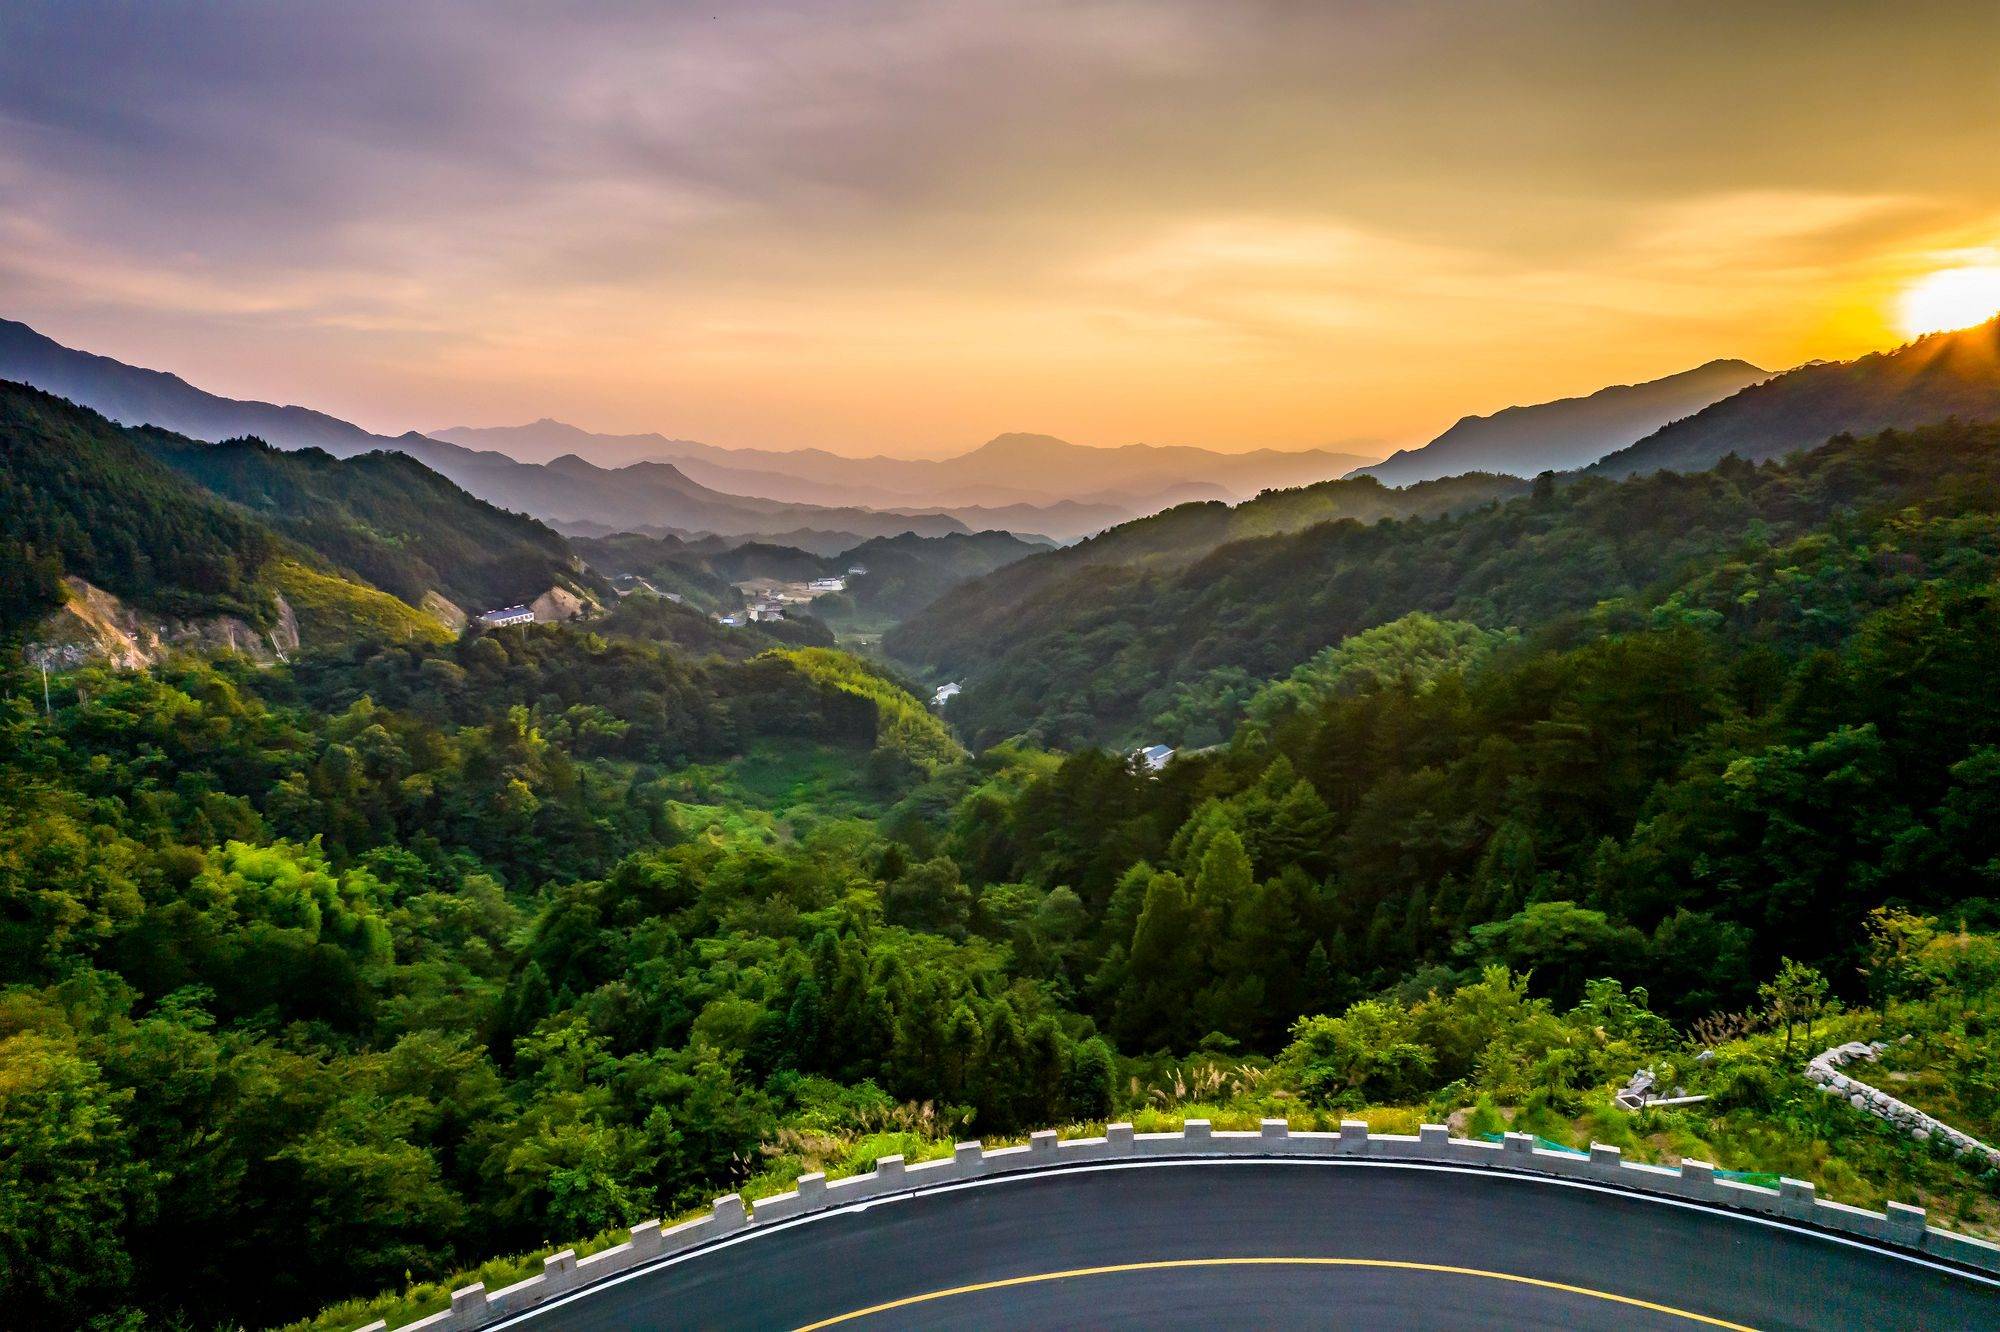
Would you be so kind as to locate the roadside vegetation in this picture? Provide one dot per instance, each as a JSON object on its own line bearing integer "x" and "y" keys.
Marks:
{"x": 1487, "y": 1058}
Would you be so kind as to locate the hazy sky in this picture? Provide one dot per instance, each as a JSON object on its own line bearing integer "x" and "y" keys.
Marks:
{"x": 910, "y": 227}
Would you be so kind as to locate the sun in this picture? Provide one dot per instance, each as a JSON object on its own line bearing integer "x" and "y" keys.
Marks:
{"x": 1950, "y": 298}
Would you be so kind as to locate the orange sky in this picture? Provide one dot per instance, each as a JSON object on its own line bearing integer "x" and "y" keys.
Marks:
{"x": 906, "y": 228}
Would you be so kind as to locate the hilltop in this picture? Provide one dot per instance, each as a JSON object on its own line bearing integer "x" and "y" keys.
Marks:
{"x": 1944, "y": 375}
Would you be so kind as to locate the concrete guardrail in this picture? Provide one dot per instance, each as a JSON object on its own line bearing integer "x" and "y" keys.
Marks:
{"x": 1901, "y": 1227}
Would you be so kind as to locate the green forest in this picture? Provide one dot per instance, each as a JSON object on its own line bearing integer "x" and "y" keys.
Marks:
{"x": 395, "y": 957}
{"x": 415, "y": 952}
{"x": 385, "y": 516}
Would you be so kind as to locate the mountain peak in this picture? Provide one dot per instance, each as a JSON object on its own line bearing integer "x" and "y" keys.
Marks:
{"x": 1021, "y": 441}
{"x": 1565, "y": 433}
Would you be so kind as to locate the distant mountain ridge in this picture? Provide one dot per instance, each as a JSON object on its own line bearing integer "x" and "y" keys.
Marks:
{"x": 131, "y": 395}
{"x": 668, "y": 485}
{"x": 570, "y": 490}
{"x": 1944, "y": 375}
{"x": 1566, "y": 433}
{"x": 1009, "y": 469}
{"x": 659, "y": 495}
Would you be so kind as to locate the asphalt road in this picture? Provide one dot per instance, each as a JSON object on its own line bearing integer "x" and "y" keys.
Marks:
{"x": 1411, "y": 1247}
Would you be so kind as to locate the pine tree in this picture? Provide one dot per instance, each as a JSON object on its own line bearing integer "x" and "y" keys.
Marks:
{"x": 1220, "y": 890}
{"x": 1162, "y": 969}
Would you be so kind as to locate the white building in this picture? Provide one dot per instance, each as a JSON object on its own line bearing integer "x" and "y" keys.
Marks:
{"x": 945, "y": 693}
{"x": 1153, "y": 757}
{"x": 856, "y": 570}
{"x": 506, "y": 615}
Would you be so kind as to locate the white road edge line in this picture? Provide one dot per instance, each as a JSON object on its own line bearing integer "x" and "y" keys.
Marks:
{"x": 1482, "y": 1172}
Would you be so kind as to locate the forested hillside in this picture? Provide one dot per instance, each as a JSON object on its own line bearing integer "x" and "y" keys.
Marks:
{"x": 82, "y": 497}
{"x": 669, "y": 563}
{"x": 1130, "y": 653}
{"x": 387, "y": 517}
{"x": 1677, "y": 787}
{"x": 183, "y": 528}
{"x": 1186, "y": 533}
{"x": 907, "y": 573}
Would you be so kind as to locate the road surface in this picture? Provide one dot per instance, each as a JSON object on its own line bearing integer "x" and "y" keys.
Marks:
{"x": 1278, "y": 1243}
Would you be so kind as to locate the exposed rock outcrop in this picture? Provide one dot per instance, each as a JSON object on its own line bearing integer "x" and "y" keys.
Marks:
{"x": 559, "y": 604}
{"x": 94, "y": 625}
{"x": 437, "y": 604}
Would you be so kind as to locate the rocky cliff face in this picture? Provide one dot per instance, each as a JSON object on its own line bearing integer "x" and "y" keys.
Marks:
{"x": 435, "y": 603}
{"x": 94, "y": 625}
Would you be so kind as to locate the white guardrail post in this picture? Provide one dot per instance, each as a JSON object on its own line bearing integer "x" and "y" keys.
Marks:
{"x": 1906, "y": 1227}
{"x": 468, "y": 1306}
{"x": 728, "y": 1214}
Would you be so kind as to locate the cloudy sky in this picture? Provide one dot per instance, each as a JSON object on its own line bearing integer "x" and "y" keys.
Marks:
{"x": 907, "y": 227}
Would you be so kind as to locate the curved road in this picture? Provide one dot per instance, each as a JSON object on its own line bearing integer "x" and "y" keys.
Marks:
{"x": 1268, "y": 1243}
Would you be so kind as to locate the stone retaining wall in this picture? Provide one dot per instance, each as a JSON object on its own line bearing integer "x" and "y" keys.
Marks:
{"x": 1694, "y": 1181}
{"x": 1825, "y": 1071}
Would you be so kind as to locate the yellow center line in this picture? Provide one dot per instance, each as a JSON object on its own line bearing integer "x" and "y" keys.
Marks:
{"x": 1166, "y": 1264}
